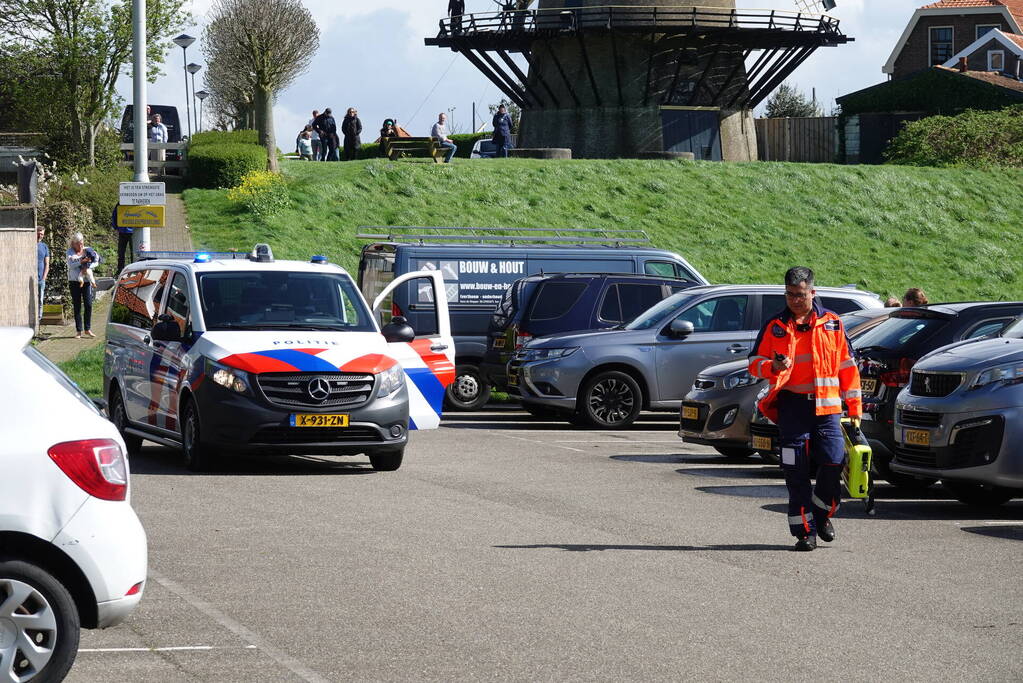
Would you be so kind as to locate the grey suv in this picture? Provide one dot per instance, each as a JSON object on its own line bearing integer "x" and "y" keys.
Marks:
{"x": 961, "y": 419}
{"x": 607, "y": 378}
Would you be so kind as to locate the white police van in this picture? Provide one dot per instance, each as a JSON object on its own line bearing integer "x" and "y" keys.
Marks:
{"x": 214, "y": 353}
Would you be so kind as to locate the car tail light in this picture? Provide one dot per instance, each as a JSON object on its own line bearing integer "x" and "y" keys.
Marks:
{"x": 521, "y": 337}
{"x": 900, "y": 377}
{"x": 396, "y": 311}
{"x": 135, "y": 590}
{"x": 97, "y": 466}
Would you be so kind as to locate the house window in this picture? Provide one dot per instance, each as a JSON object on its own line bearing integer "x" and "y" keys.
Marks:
{"x": 996, "y": 60}
{"x": 941, "y": 44}
{"x": 984, "y": 28}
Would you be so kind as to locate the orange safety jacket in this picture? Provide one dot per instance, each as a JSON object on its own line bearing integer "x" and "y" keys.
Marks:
{"x": 835, "y": 375}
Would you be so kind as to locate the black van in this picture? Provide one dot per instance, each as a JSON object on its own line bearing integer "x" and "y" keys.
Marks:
{"x": 543, "y": 305}
{"x": 168, "y": 116}
{"x": 480, "y": 264}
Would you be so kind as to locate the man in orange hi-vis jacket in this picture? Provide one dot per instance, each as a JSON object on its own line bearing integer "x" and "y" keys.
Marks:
{"x": 806, "y": 355}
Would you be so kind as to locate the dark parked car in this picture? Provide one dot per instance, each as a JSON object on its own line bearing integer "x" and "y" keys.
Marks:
{"x": 888, "y": 353}
{"x": 542, "y": 305}
{"x": 168, "y": 116}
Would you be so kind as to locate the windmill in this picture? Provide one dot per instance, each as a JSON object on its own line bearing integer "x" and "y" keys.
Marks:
{"x": 815, "y": 6}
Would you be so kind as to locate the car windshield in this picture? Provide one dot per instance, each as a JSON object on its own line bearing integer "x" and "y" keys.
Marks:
{"x": 654, "y": 316}
{"x": 895, "y": 333}
{"x": 252, "y": 300}
{"x": 1013, "y": 330}
{"x": 61, "y": 379}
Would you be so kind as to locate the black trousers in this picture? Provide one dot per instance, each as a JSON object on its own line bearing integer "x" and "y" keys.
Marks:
{"x": 123, "y": 247}
{"x": 81, "y": 300}
{"x": 352, "y": 146}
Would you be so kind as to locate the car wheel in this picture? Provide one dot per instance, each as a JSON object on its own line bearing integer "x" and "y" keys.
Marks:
{"x": 735, "y": 452}
{"x": 39, "y": 624}
{"x": 540, "y": 411}
{"x": 119, "y": 416}
{"x": 611, "y": 400}
{"x": 979, "y": 495}
{"x": 198, "y": 456}
{"x": 469, "y": 391}
{"x": 387, "y": 461}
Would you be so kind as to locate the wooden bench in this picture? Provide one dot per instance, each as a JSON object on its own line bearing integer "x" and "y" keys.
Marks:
{"x": 406, "y": 147}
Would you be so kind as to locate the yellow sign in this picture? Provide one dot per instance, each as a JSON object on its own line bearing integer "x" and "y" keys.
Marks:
{"x": 140, "y": 216}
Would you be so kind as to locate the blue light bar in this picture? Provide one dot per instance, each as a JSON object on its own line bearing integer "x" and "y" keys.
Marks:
{"x": 319, "y": 259}
{"x": 202, "y": 258}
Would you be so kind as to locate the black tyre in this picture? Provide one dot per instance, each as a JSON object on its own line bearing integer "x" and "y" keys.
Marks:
{"x": 979, "y": 495}
{"x": 735, "y": 452}
{"x": 39, "y": 627}
{"x": 119, "y": 416}
{"x": 611, "y": 400}
{"x": 469, "y": 391}
{"x": 540, "y": 411}
{"x": 387, "y": 461}
{"x": 198, "y": 456}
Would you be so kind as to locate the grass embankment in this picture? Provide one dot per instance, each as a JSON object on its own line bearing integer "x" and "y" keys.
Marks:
{"x": 86, "y": 370}
{"x": 957, "y": 233}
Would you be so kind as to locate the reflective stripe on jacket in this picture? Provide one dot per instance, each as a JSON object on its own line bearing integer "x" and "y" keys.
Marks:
{"x": 836, "y": 377}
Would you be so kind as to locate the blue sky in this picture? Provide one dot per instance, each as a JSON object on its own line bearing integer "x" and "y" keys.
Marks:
{"x": 372, "y": 57}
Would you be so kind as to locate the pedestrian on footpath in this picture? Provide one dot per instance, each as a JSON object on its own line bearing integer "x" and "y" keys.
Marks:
{"x": 440, "y": 134}
{"x": 502, "y": 132}
{"x": 806, "y": 355}
{"x": 157, "y": 135}
{"x": 124, "y": 246}
{"x": 81, "y": 258}
{"x": 351, "y": 128}
{"x": 315, "y": 137}
{"x": 42, "y": 265}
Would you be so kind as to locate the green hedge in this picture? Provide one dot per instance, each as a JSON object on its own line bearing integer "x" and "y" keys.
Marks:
{"x": 220, "y": 137}
{"x": 223, "y": 165}
{"x": 973, "y": 138}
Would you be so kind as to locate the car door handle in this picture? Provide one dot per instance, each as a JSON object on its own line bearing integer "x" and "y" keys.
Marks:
{"x": 737, "y": 348}
{"x": 437, "y": 348}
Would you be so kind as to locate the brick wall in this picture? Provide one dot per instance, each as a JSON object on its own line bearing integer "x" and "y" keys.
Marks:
{"x": 915, "y": 54}
{"x": 18, "y": 276}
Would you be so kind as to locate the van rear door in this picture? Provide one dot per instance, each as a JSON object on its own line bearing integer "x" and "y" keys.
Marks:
{"x": 428, "y": 360}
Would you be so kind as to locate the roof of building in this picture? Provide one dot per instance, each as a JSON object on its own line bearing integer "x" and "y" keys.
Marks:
{"x": 1014, "y": 6}
{"x": 991, "y": 77}
{"x": 938, "y": 96}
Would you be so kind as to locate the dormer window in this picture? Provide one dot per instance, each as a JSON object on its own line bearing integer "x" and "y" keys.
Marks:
{"x": 996, "y": 60}
{"x": 941, "y": 44}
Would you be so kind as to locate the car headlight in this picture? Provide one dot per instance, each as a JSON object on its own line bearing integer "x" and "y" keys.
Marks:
{"x": 391, "y": 380}
{"x": 740, "y": 378}
{"x": 546, "y": 354}
{"x": 1004, "y": 374}
{"x": 230, "y": 378}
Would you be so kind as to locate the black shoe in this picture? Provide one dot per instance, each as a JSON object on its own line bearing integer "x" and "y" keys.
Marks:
{"x": 826, "y": 532}
{"x": 805, "y": 544}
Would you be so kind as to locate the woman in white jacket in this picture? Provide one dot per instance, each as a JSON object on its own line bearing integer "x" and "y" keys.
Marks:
{"x": 81, "y": 260}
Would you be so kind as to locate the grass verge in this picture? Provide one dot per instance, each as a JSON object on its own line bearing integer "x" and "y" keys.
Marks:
{"x": 86, "y": 370}
{"x": 954, "y": 232}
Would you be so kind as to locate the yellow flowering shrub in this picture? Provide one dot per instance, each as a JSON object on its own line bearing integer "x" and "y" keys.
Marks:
{"x": 263, "y": 193}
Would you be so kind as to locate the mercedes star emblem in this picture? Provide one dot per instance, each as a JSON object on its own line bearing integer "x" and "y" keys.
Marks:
{"x": 318, "y": 388}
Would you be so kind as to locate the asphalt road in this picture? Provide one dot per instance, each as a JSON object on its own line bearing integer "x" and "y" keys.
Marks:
{"x": 511, "y": 549}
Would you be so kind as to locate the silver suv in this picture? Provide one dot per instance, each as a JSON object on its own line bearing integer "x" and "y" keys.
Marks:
{"x": 961, "y": 419}
{"x": 607, "y": 378}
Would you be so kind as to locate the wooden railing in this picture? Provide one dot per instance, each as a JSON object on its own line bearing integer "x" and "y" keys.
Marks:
{"x": 160, "y": 166}
{"x": 658, "y": 19}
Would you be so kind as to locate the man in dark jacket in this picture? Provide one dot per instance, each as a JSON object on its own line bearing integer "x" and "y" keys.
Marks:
{"x": 502, "y": 132}
{"x": 351, "y": 128}
{"x": 326, "y": 126}
{"x": 456, "y": 8}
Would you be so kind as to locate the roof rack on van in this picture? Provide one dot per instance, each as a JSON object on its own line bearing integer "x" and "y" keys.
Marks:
{"x": 512, "y": 236}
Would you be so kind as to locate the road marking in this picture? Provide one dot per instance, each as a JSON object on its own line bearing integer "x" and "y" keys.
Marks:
{"x": 287, "y": 661}
{"x": 522, "y": 438}
{"x": 615, "y": 443}
{"x": 1006, "y": 523}
{"x": 184, "y": 648}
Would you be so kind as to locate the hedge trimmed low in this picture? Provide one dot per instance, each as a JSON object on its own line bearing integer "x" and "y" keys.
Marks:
{"x": 220, "y": 137}
{"x": 213, "y": 166}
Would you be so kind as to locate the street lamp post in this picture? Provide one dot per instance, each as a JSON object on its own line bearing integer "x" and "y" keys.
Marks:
{"x": 202, "y": 95}
{"x": 193, "y": 69}
{"x": 183, "y": 41}
{"x": 140, "y": 236}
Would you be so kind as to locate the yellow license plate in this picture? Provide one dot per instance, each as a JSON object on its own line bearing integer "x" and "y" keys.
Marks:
{"x": 918, "y": 437}
{"x": 690, "y": 413}
{"x": 319, "y": 420}
{"x": 762, "y": 443}
{"x": 513, "y": 379}
{"x": 499, "y": 343}
{"x": 869, "y": 386}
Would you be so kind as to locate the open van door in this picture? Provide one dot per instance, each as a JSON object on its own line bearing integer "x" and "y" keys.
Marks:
{"x": 429, "y": 357}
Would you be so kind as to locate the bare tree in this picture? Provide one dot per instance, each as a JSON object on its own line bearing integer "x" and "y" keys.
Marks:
{"x": 261, "y": 46}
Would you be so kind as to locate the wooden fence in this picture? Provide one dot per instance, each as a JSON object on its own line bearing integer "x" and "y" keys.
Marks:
{"x": 19, "y": 288}
{"x": 160, "y": 166}
{"x": 808, "y": 140}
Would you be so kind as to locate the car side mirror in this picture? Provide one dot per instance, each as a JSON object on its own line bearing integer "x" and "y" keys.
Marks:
{"x": 680, "y": 329}
{"x": 398, "y": 330}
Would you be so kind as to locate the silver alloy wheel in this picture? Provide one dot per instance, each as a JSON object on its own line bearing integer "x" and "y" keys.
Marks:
{"x": 467, "y": 388}
{"x": 28, "y": 631}
{"x": 611, "y": 400}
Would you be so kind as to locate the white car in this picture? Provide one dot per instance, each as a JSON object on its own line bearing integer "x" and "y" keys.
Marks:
{"x": 72, "y": 551}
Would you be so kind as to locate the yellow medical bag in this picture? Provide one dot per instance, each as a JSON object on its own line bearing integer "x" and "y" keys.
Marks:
{"x": 856, "y": 471}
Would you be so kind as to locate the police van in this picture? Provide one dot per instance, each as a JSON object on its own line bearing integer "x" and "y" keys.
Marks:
{"x": 479, "y": 264}
{"x": 212, "y": 353}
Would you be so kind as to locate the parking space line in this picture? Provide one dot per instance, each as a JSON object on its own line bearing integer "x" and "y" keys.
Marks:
{"x": 549, "y": 443}
{"x": 182, "y": 648}
{"x": 287, "y": 661}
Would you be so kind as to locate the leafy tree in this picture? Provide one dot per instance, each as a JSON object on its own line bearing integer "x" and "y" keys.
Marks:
{"x": 787, "y": 101}
{"x": 260, "y": 46}
{"x": 85, "y": 45}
